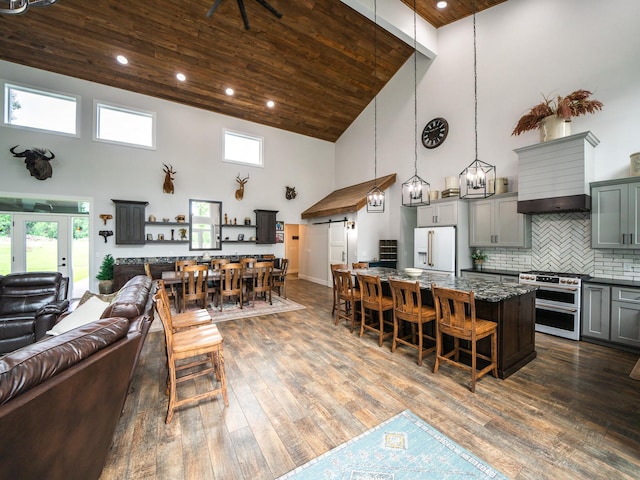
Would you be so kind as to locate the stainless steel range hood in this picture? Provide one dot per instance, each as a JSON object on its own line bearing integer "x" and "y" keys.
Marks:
{"x": 554, "y": 176}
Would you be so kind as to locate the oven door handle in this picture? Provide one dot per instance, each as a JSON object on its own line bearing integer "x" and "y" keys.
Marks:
{"x": 555, "y": 307}
{"x": 557, "y": 289}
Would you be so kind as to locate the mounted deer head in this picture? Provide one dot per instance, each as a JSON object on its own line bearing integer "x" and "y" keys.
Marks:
{"x": 167, "y": 187}
{"x": 241, "y": 182}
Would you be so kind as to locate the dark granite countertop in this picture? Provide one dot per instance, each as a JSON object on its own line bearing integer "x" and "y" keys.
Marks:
{"x": 614, "y": 282}
{"x": 485, "y": 290}
{"x": 492, "y": 271}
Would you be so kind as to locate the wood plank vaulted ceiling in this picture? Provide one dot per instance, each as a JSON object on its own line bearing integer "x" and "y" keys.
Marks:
{"x": 317, "y": 62}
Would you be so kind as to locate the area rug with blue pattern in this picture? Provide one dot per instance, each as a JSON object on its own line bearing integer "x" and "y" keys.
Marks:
{"x": 401, "y": 448}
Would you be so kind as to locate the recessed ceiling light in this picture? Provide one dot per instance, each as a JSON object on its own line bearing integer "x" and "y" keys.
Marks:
{"x": 441, "y": 4}
{"x": 181, "y": 77}
{"x": 122, "y": 60}
{"x": 271, "y": 104}
{"x": 229, "y": 91}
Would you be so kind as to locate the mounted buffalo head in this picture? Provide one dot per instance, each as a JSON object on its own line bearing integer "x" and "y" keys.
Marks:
{"x": 37, "y": 161}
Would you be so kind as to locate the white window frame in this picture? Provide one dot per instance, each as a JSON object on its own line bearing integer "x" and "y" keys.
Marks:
{"x": 97, "y": 104}
{"x": 247, "y": 136}
{"x": 6, "y": 103}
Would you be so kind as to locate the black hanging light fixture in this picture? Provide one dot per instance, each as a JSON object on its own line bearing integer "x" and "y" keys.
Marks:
{"x": 478, "y": 177}
{"x": 415, "y": 191}
{"x": 14, "y": 7}
{"x": 375, "y": 196}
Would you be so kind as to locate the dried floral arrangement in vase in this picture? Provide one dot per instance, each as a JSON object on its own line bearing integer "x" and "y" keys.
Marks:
{"x": 573, "y": 105}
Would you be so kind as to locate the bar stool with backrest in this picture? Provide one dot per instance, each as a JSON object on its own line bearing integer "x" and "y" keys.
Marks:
{"x": 372, "y": 300}
{"x": 230, "y": 282}
{"x": 192, "y": 344}
{"x": 359, "y": 265}
{"x": 408, "y": 309}
{"x": 262, "y": 280}
{"x": 336, "y": 266}
{"x": 279, "y": 280}
{"x": 456, "y": 317}
{"x": 348, "y": 298}
{"x": 194, "y": 285}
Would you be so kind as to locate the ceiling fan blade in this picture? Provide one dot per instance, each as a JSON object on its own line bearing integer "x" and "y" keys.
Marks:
{"x": 213, "y": 8}
{"x": 243, "y": 12}
{"x": 266, "y": 5}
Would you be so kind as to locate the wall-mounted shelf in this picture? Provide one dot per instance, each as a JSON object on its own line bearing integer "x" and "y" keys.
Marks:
{"x": 167, "y": 241}
{"x": 165, "y": 224}
{"x": 238, "y": 241}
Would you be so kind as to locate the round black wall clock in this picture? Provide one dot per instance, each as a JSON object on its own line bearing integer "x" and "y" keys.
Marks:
{"x": 435, "y": 132}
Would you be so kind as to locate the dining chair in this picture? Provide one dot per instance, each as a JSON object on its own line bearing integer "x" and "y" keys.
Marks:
{"x": 214, "y": 285}
{"x": 373, "y": 300}
{"x": 194, "y": 285}
{"x": 456, "y": 317}
{"x": 188, "y": 319}
{"x": 176, "y": 289}
{"x": 359, "y": 265}
{"x": 247, "y": 276}
{"x": 409, "y": 310}
{"x": 348, "y": 298}
{"x": 336, "y": 266}
{"x": 262, "y": 281}
{"x": 192, "y": 344}
{"x": 230, "y": 282}
{"x": 147, "y": 270}
{"x": 279, "y": 280}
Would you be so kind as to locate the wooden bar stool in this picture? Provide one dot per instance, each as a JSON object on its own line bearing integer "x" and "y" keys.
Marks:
{"x": 373, "y": 300}
{"x": 359, "y": 265}
{"x": 348, "y": 298}
{"x": 408, "y": 307}
{"x": 336, "y": 266}
{"x": 456, "y": 317}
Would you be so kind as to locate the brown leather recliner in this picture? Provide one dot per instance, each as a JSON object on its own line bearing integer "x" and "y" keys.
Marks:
{"x": 30, "y": 304}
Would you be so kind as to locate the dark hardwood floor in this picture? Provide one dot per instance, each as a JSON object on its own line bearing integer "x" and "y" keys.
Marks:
{"x": 299, "y": 386}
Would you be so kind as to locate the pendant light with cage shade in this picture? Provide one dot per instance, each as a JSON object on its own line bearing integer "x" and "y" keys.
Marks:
{"x": 375, "y": 196}
{"x": 476, "y": 179}
{"x": 415, "y": 191}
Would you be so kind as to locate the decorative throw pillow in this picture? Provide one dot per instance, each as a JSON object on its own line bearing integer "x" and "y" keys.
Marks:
{"x": 88, "y": 312}
{"x": 104, "y": 297}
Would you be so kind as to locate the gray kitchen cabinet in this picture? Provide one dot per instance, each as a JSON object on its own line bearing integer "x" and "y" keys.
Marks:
{"x": 596, "y": 318}
{"x": 266, "y": 226}
{"x": 439, "y": 213}
{"x": 130, "y": 222}
{"x": 615, "y": 214}
{"x": 625, "y": 316}
{"x": 495, "y": 222}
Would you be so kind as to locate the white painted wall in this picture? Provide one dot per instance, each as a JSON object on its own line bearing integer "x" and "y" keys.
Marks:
{"x": 188, "y": 138}
{"x": 525, "y": 48}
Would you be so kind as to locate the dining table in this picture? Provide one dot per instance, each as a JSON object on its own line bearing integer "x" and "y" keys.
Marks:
{"x": 174, "y": 278}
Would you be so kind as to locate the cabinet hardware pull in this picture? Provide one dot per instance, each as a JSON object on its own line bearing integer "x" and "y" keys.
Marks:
{"x": 624, "y": 238}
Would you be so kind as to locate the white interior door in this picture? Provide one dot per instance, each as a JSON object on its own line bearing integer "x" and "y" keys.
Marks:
{"x": 337, "y": 244}
{"x": 41, "y": 244}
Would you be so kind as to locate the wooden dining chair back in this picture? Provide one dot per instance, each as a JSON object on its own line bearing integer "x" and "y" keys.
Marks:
{"x": 147, "y": 270}
{"x": 248, "y": 262}
{"x": 408, "y": 310}
{"x": 180, "y": 264}
{"x": 214, "y": 285}
{"x": 186, "y": 319}
{"x": 336, "y": 266}
{"x": 359, "y": 265}
{"x": 194, "y": 286}
{"x": 348, "y": 298}
{"x": 262, "y": 281}
{"x": 374, "y": 301}
{"x": 230, "y": 282}
{"x": 279, "y": 281}
{"x": 201, "y": 348}
{"x": 217, "y": 262}
{"x": 456, "y": 317}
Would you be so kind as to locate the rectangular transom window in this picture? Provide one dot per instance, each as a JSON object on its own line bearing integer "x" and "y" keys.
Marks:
{"x": 242, "y": 148}
{"x": 114, "y": 124}
{"x": 32, "y": 108}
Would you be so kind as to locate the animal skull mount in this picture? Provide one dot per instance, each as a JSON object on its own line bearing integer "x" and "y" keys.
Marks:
{"x": 37, "y": 161}
{"x": 241, "y": 182}
{"x": 105, "y": 234}
{"x": 105, "y": 216}
{"x": 167, "y": 186}
{"x": 291, "y": 193}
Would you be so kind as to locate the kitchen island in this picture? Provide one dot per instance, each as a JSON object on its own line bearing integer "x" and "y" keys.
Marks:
{"x": 510, "y": 305}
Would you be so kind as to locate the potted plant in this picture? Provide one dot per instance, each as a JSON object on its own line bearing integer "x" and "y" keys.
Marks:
{"x": 553, "y": 115}
{"x": 105, "y": 275}
{"x": 478, "y": 259}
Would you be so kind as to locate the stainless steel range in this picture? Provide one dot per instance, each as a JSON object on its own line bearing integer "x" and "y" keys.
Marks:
{"x": 557, "y": 302}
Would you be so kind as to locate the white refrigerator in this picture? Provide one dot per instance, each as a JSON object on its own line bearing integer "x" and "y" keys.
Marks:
{"x": 435, "y": 249}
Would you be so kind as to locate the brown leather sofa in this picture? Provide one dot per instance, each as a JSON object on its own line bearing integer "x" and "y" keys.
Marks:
{"x": 61, "y": 397}
{"x": 30, "y": 304}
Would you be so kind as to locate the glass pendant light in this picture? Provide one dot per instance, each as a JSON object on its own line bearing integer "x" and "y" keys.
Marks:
{"x": 478, "y": 179}
{"x": 375, "y": 196}
{"x": 415, "y": 191}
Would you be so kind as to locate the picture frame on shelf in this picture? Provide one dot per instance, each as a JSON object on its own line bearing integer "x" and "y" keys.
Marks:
{"x": 279, "y": 226}
{"x": 241, "y": 237}
{"x": 149, "y": 236}
{"x": 279, "y": 237}
{"x": 161, "y": 237}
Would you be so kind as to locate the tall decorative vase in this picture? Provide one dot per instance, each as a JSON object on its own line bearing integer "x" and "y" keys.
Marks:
{"x": 553, "y": 127}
